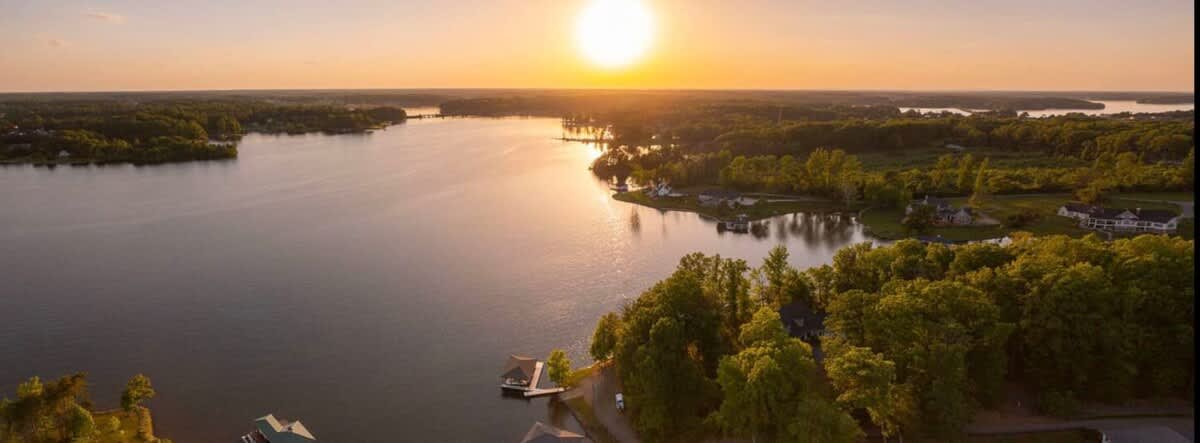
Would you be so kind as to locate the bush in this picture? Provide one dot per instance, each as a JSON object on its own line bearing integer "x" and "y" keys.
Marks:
{"x": 1021, "y": 219}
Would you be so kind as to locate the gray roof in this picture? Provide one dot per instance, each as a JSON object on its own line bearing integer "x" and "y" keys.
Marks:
{"x": 799, "y": 318}
{"x": 519, "y": 367}
{"x": 543, "y": 433}
{"x": 281, "y": 431}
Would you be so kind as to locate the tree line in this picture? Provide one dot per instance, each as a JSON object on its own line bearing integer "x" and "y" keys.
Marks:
{"x": 164, "y": 131}
{"x": 919, "y": 337}
{"x": 62, "y": 411}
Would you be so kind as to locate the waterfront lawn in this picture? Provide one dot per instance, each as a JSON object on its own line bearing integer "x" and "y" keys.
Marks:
{"x": 885, "y": 223}
{"x": 761, "y": 210}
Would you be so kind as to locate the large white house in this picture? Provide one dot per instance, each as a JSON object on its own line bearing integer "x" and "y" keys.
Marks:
{"x": 1121, "y": 220}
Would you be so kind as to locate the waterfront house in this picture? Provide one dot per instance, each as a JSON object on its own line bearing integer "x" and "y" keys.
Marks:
{"x": 269, "y": 429}
{"x": 802, "y": 321}
{"x": 943, "y": 212}
{"x": 1078, "y": 211}
{"x": 518, "y": 372}
{"x": 657, "y": 190}
{"x": 544, "y": 433}
{"x": 1121, "y": 220}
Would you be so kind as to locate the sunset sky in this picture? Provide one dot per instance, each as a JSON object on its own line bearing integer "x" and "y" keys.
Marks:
{"x": 49, "y": 45}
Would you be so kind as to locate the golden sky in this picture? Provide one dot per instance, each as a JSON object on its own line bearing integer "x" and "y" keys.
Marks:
{"x": 708, "y": 44}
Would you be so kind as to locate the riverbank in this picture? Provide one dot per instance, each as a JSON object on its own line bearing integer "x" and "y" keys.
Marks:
{"x": 765, "y": 206}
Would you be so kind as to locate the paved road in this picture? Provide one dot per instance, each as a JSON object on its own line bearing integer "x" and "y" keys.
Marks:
{"x": 600, "y": 391}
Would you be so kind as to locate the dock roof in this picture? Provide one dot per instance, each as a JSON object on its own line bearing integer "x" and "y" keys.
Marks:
{"x": 519, "y": 367}
{"x": 281, "y": 431}
{"x": 543, "y": 433}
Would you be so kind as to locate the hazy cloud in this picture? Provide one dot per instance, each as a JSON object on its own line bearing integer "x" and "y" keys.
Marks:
{"x": 105, "y": 17}
{"x": 56, "y": 42}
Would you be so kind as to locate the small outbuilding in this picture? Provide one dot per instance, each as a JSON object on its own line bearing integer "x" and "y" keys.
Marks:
{"x": 518, "y": 371}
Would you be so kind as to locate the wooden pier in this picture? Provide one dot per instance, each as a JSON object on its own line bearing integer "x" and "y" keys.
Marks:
{"x": 532, "y": 390}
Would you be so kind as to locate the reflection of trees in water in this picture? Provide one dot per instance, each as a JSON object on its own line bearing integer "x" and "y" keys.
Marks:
{"x": 759, "y": 229}
{"x": 557, "y": 412}
{"x": 635, "y": 222}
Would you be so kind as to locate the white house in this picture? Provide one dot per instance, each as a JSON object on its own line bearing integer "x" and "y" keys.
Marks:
{"x": 1121, "y": 220}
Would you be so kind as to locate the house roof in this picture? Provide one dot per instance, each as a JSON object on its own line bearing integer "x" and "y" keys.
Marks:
{"x": 799, "y": 318}
{"x": 543, "y": 433}
{"x": 281, "y": 431}
{"x": 519, "y": 367}
{"x": 1151, "y": 215}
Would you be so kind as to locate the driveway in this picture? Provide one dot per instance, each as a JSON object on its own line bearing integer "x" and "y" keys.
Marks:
{"x": 600, "y": 391}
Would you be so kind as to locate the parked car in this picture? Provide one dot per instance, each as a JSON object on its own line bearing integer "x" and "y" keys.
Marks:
{"x": 620, "y": 402}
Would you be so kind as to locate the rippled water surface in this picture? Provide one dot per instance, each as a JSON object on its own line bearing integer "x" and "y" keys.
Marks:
{"x": 369, "y": 285}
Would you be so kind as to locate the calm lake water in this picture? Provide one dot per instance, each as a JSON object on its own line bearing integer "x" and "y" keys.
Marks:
{"x": 369, "y": 285}
{"x": 1110, "y": 107}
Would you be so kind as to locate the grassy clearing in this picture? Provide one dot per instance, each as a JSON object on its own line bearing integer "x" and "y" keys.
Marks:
{"x": 885, "y": 224}
{"x": 583, "y": 412}
{"x": 578, "y": 375}
{"x": 757, "y": 211}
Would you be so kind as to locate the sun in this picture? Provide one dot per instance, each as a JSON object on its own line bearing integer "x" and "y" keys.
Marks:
{"x": 614, "y": 33}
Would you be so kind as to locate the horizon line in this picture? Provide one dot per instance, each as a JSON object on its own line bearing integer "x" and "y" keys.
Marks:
{"x": 980, "y": 90}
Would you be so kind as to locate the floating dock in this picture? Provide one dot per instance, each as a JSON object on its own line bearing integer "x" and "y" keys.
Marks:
{"x": 532, "y": 390}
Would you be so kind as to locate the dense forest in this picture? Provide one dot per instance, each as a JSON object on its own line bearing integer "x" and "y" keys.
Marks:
{"x": 919, "y": 337}
{"x": 62, "y": 411}
{"x": 768, "y": 148}
{"x": 163, "y": 131}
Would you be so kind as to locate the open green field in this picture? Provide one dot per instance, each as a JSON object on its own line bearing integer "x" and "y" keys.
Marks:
{"x": 885, "y": 223}
{"x": 755, "y": 212}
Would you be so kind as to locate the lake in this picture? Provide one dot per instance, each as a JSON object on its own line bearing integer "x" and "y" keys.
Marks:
{"x": 371, "y": 286}
{"x": 1110, "y": 107}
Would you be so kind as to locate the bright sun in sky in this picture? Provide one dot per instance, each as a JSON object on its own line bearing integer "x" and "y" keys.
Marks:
{"x": 614, "y": 33}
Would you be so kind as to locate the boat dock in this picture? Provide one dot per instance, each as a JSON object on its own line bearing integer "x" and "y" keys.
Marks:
{"x": 531, "y": 390}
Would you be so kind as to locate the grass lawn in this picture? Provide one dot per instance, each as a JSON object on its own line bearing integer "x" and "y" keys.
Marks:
{"x": 885, "y": 223}
{"x": 755, "y": 212}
